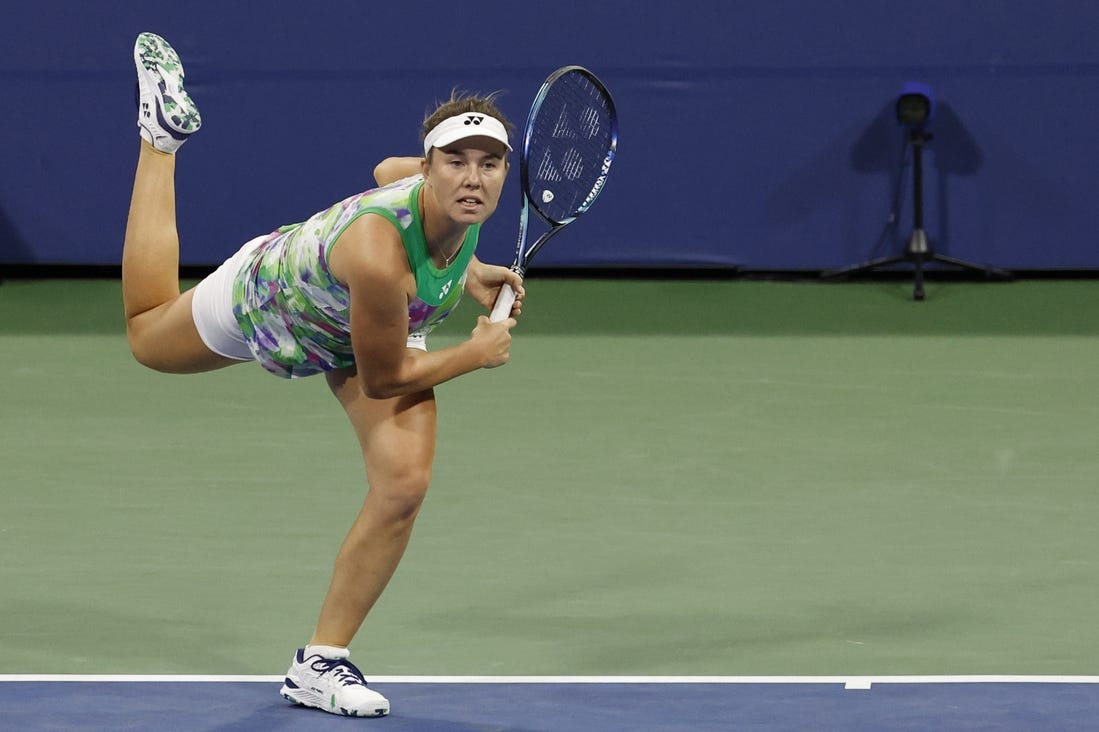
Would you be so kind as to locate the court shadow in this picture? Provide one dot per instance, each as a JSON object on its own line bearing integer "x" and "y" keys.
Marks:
{"x": 812, "y": 188}
{"x": 13, "y": 248}
{"x": 957, "y": 151}
{"x": 883, "y": 148}
{"x": 956, "y": 155}
{"x": 876, "y": 148}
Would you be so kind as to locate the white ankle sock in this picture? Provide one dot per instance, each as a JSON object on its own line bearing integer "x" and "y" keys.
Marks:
{"x": 327, "y": 652}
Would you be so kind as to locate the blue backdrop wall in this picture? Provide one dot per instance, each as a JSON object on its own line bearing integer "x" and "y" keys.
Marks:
{"x": 758, "y": 134}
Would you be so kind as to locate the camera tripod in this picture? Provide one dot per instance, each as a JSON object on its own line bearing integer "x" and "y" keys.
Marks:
{"x": 918, "y": 252}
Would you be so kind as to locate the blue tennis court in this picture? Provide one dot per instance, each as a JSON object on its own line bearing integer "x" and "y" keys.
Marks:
{"x": 563, "y": 705}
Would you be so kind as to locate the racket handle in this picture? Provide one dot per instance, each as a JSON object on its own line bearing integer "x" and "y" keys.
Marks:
{"x": 502, "y": 309}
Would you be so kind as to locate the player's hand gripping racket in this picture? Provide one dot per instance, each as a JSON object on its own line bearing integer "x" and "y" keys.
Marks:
{"x": 568, "y": 147}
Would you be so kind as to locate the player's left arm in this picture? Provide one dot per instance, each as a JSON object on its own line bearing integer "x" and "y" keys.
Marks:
{"x": 483, "y": 283}
{"x": 392, "y": 170}
{"x": 369, "y": 258}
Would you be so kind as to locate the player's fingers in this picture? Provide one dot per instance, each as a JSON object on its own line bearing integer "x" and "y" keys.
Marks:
{"x": 509, "y": 323}
{"x": 516, "y": 283}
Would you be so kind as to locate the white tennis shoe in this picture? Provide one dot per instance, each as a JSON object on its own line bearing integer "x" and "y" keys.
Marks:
{"x": 166, "y": 115}
{"x": 323, "y": 678}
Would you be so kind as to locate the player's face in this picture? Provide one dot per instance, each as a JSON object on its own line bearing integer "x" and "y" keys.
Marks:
{"x": 466, "y": 178}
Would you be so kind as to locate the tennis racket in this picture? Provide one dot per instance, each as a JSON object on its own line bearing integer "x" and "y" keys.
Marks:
{"x": 568, "y": 146}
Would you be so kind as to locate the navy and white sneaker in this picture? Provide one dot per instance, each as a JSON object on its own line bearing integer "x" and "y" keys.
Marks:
{"x": 166, "y": 115}
{"x": 321, "y": 677}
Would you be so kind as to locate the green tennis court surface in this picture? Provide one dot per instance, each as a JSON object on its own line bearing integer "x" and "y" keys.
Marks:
{"x": 706, "y": 478}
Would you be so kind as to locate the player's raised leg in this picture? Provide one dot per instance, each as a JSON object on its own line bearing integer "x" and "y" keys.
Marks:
{"x": 158, "y": 318}
{"x": 166, "y": 117}
{"x": 166, "y": 114}
{"x": 150, "y": 251}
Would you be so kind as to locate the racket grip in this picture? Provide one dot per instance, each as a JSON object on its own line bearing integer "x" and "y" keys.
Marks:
{"x": 502, "y": 309}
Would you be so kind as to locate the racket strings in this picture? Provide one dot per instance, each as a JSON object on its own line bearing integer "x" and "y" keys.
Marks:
{"x": 568, "y": 142}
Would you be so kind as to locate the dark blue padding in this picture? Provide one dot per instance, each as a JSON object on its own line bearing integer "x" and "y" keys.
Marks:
{"x": 763, "y": 139}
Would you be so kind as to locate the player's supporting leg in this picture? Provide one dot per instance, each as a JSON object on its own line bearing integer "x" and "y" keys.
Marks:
{"x": 398, "y": 440}
{"x": 159, "y": 325}
{"x": 398, "y": 444}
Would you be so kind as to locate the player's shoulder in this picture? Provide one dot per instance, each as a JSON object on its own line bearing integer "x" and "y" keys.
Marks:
{"x": 371, "y": 248}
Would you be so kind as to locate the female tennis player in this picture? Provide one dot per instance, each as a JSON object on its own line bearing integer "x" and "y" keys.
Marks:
{"x": 351, "y": 293}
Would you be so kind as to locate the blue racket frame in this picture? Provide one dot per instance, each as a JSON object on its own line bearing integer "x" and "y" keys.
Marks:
{"x": 523, "y": 254}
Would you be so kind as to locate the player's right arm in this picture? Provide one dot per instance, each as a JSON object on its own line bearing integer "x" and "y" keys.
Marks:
{"x": 370, "y": 260}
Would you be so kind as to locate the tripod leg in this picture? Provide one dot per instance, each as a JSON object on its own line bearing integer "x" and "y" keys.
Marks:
{"x": 987, "y": 270}
{"x": 918, "y": 252}
{"x": 917, "y": 291}
{"x": 864, "y": 267}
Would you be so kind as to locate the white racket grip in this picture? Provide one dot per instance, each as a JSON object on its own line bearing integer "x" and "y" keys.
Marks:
{"x": 502, "y": 309}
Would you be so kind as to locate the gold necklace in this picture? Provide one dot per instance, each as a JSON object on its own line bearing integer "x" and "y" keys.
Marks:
{"x": 447, "y": 260}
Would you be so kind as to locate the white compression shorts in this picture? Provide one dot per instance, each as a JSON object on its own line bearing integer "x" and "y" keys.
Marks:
{"x": 212, "y": 310}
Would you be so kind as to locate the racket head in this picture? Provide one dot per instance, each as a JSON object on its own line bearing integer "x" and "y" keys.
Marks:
{"x": 569, "y": 143}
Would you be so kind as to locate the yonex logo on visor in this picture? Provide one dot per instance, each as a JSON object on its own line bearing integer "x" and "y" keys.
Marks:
{"x": 461, "y": 126}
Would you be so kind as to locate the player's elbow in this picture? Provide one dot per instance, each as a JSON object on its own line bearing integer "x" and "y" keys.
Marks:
{"x": 378, "y": 391}
{"x": 377, "y": 386}
{"x": 382, "y": 171}
{"x": 391, "y": 170}
{"x": 383, "y": 375}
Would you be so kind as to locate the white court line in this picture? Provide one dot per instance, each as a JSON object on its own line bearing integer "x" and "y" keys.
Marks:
{"x": 848, "y": 682}
{"x": 138, "y": 678}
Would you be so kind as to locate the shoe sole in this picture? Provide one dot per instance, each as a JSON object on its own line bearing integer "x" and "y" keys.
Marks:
{"x": 304, "y": 698}
{"x": 158, "y": 64}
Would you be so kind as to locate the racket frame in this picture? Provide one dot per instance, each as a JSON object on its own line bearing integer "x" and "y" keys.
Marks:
{"x": 523, "y": 254}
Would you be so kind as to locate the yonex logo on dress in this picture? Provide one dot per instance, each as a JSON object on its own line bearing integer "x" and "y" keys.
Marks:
{"x": 446, "y": 288}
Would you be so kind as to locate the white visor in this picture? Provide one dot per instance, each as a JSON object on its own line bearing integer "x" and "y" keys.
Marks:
{"x": 461, "y": 126}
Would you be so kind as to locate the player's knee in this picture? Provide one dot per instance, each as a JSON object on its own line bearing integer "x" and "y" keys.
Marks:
{"x": 403, "y": 493}
{"x": 142, "y": 350}
{"x": 149, "y": 350}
